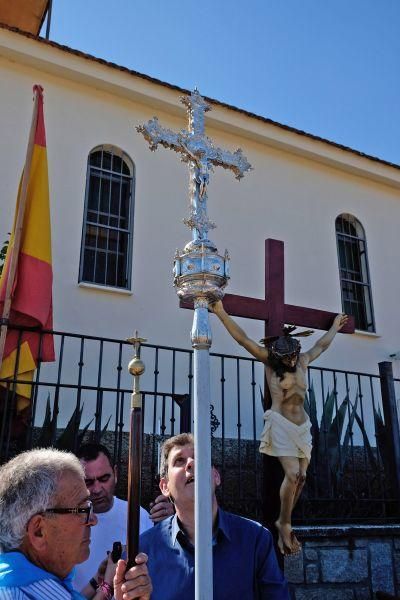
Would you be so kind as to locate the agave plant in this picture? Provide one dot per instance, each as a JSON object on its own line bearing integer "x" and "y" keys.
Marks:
{"x": 384, "y": 470}
{"x": 331, "y": 452}
{"x": 71, "y": 437}
{"x": 330, "y": 446}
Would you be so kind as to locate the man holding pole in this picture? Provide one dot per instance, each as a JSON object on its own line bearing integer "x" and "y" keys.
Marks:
{"x": 244, "y": 560}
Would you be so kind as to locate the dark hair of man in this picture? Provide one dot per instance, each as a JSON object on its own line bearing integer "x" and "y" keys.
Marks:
{"x": 91, "y": 451}
{"x": 177, "y": 441}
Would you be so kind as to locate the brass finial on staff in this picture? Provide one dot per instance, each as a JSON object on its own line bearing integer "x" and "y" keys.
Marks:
{"x": 136, "y": 368}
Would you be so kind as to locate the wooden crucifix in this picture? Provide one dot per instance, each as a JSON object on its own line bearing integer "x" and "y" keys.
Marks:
{"x": 275, "y": 313}
{"x": 272, "y": 309}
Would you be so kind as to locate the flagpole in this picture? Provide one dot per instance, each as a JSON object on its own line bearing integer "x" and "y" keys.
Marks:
{"x": 19, "y": 221}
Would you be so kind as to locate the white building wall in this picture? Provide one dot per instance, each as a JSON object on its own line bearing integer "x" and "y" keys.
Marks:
{"x": 288, "y": 196}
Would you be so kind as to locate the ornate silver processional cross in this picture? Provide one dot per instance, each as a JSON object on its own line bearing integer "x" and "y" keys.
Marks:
{"x": 200, "y": 275}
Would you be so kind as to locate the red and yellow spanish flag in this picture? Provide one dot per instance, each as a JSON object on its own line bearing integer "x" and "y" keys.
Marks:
{"x": 31, "y": 296}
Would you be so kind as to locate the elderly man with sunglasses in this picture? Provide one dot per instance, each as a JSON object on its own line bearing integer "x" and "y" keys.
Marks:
{"x": 45, "y": 522}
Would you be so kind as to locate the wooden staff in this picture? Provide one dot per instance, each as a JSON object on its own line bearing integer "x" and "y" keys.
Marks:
{"x": 19, "y": 223}
{"x": 136, "y": 368}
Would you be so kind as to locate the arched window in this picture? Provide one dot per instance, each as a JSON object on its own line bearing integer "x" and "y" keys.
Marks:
{"x": 108, "y": 219}
{"x": 354, "y": 272}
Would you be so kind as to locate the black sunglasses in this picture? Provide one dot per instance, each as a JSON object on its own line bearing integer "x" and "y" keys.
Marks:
{"x": 88, "y": 511}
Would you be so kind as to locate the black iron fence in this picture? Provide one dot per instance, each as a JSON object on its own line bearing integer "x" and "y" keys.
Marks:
{"x": 355, "y": 469}
{"x": 354, "y": 472}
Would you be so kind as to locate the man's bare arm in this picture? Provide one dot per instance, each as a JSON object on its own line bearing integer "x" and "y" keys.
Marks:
{"x": 237, "y": 332}
{"x": 325, "y": 341}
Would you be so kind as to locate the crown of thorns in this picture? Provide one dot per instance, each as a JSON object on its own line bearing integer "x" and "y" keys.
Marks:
{"x": 283, "y": 345}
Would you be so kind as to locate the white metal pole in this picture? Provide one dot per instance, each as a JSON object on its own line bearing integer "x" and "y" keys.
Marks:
{"x": 201, "y": 340}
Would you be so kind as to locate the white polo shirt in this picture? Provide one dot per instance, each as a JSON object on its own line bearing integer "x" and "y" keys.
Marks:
{"x": 111, "y": 527}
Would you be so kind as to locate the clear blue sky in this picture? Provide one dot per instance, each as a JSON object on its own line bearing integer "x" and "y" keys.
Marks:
{"x": 328, "y": 67}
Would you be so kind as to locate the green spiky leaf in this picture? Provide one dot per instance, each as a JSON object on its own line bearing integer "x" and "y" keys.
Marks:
{"x": 367, "y": 445}
{"x": 349, "y": 430}
{"x": 66, "y": 441}
{"x": 103, "y": 431}
{"x": 312, "y": 406}
{"x": 335, "y": 435}
{"x": 327, "y": 412}
{"x": 311, "y": 409}
{"x": 44, "y": 439}
{"x": 382, "y": 439}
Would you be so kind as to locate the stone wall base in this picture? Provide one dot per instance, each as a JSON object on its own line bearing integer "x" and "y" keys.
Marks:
{"x": 345, "y": 563}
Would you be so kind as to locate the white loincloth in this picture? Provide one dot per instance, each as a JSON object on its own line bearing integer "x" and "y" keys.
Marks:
{"x": 281, "y": 437}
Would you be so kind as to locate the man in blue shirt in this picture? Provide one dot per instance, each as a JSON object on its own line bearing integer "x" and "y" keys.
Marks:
{"x": 244, "y": 561}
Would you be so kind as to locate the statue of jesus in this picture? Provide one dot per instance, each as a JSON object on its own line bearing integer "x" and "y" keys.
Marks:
{"x": 287, "y": 428}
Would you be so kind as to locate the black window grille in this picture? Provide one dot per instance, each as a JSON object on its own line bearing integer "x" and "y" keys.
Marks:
{"x": 354, "y": 271}
{"x": 108, "y": 219}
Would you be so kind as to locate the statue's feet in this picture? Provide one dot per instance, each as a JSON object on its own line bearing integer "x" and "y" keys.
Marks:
{"x": 288, "y": 543}
{"x": 295, "y": 543}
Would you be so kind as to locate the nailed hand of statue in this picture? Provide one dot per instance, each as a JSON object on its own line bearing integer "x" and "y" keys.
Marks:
{"x": 216, "y": 307}
{"x": 340, "y": 321}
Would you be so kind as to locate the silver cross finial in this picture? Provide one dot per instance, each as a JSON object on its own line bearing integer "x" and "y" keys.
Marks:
{"x": 199, "y": 152}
